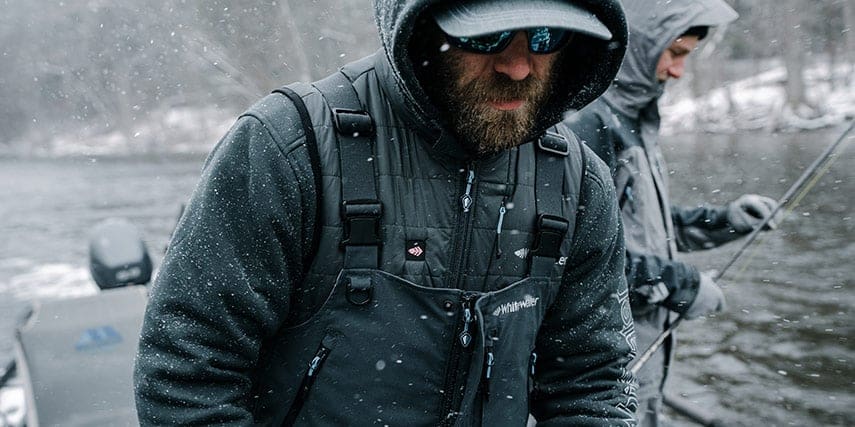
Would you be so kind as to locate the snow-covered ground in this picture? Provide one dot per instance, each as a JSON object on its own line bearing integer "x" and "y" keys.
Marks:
{"x": 759, "y": 103}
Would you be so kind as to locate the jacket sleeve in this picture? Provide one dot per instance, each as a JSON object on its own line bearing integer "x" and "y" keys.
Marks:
{"x": 702, "y": 227}
{"x": 587, "y": 338}
{"x": 224, "y": 284}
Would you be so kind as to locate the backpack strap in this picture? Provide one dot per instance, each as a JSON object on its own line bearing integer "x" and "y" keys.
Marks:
{"x": 361, "y": 208}
{"x": 553, "y": 224}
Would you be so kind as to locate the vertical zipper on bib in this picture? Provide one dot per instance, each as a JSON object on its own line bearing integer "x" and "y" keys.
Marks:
{"x": 458, "y": 361}
{"x": 306, "y": 385}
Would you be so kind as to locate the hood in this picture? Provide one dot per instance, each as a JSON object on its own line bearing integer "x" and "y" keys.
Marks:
{"x": 590, "y": 66}
{"x": 653, "y": 26}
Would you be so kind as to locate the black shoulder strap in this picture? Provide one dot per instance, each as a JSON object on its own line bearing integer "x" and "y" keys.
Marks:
{"x": 553, "y": 224}
{"x": 361, "y": 208}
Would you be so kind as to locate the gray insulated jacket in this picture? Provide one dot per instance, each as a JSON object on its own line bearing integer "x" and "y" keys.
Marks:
{"x": 622, "y": 127}
{"x": 409, "y": 284}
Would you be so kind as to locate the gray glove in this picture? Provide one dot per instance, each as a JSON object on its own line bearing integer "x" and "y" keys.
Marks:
{"x": 709, "y": 300}
{"x": 748, "y": 211}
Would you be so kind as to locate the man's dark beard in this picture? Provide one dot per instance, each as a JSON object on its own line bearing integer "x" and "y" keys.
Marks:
{"x": 483, "y": 128}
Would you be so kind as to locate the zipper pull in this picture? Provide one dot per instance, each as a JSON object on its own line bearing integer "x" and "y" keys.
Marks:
{"x": 319, "y": 356}
{"x": 502, "y": 211}
{"x": 465, "y": 336}
{"x": 466, "y": 199}
{"x": 488, "y": 371}
{"x": 532, "y": 361}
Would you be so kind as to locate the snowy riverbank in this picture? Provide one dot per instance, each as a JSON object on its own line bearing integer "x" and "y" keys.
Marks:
{"x": 758, "y": 103}
{"x": 753, "y": 104}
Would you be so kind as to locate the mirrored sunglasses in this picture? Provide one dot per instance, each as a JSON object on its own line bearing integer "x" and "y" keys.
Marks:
{"x": 540, "y": 40}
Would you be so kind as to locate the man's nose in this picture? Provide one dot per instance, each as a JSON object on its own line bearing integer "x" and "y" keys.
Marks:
{"x": 677, "y": 69}
{"x": 515, "y": 60}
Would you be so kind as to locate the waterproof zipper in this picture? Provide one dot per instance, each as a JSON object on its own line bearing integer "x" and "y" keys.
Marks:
{"x": 306, "y": 385}
{"x": 451, "y": 403}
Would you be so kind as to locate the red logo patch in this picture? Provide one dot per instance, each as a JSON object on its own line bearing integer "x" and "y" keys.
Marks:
{"x": 415, "y": 250}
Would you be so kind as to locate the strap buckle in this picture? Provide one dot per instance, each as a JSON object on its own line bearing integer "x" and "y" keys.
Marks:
{"x": 550, "y": 233}
{"x": 361, "y": 222}
{"x": 353, "y": 123}
{"x": 554, "y": 143}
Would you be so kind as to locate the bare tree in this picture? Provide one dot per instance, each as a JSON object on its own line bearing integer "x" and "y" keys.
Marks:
{"x": 793, "y": 52}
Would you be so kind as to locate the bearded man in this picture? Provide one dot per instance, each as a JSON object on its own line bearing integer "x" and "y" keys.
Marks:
{"x": 403, "y": 243}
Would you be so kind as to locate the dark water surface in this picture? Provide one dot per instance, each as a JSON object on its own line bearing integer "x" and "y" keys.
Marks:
{"x": 781, "y": 355}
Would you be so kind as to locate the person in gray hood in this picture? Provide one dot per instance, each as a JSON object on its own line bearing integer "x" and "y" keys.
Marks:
{"x": 622, "y": 127}
{"x": 403, "y": 242}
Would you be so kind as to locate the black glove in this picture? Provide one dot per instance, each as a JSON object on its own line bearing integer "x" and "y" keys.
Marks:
{"x": 709, "y": 299}
{"x": 748, "y": 211}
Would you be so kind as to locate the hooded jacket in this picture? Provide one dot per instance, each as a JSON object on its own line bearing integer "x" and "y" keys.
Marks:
{"x": 622, "y": 127}
{"x": 245, "y": 319}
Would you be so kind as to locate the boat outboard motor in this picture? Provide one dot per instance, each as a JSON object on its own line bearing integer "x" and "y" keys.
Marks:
{"x": 117, "y": 255}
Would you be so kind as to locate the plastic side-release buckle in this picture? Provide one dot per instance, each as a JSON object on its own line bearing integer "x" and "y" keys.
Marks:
{"x": 353, "y": 123}
{"x": 361, "y": 222}
{"x": 550, "y": 233}
{"x": 554, "y": 143}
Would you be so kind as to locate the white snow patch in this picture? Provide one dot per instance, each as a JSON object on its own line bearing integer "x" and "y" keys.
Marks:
{"x": 50, "y": 281}
{"x": 759, "y": 103}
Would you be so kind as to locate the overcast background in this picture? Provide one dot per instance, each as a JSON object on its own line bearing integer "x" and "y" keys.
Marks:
{"x": 123, "y": 75}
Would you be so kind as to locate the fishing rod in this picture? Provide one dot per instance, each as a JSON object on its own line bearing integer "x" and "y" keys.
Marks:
{"x": 639, "y": 362}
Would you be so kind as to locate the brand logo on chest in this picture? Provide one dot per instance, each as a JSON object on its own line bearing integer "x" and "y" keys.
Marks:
{"x": 515, "y": 306}
{"x": 415, "y": 250}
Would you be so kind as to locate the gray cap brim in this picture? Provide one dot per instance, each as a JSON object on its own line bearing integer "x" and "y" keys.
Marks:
{"x": 476, "y": 18}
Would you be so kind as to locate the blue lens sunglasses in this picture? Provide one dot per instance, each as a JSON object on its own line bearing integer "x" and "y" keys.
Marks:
{"x": 541, "y": 40}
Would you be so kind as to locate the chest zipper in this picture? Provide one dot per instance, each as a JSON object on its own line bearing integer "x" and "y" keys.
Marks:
{"x": 457, "y": 363}
{"x": 306, "y": 385}
{"x": 462, "y": 232}
{"x": 502, "y": 211}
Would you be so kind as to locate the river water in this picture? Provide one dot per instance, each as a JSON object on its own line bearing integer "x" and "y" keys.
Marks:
{"x": 782, "y": 354}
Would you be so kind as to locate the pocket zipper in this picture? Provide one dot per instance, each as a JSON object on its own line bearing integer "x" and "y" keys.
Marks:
{"x": 306, "y": 385}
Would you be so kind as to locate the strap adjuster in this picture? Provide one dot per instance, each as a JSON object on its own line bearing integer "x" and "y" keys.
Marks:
{"x": 554, "y": 143}
{"x": 352, "y": 122}
{"x": 550, "y": 233}
{"x": 361, "y": 222}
